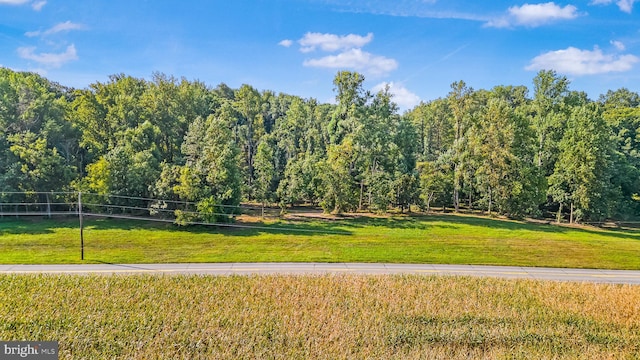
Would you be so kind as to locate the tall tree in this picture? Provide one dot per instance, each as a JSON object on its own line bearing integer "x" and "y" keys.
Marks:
{"x": 250, "y": 128}
{"x": 460, "y": 102}
{"x": 622, "y": 114}
{"x": 351, "y": 99}
{"x": 171, "y": 105}
{"x": 581, "y": 174}
{"x": 433, "y": 125}
{"x": 436, "y": 183}
{"x": 265, "y": 168}
{"x": 38, "y": 146}
{"x": 338, "y": 192}
{"x": 105, "y": 111}
{"x": 211, "y": 175}
{"x": 500, "y": 141}
{"x": 549, "y": 116}
{"x": 41, "y": 168}
{"x": 373, "y": 139}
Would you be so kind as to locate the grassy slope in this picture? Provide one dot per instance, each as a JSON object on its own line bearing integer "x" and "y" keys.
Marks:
{"x": 320, "y": 317}
{"x": 428, "y": 239}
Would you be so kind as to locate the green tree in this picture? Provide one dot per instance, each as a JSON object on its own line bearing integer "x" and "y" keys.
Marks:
{"x": 211, "y": 175}
{"x": 105, "y": 111}
{"x": 249, "y": 129}
{"x": 460, "y": 101}
{"x": 123, "y": 172}
{"x": 581, "y": 174}
{"x": 403, "y": 152}
{"x": 622, "y": 114}
{"x": 434, "y": 129}
{"x": 373, "y": 140}
{"x": 500, "y": 141}
{"x": 265, "y": 168}
{"x": 338, "y": 192}
{"x": 302, "y": 181}
{"x": 171, "y": 105}
{"x": 549, "y": 116}
{"x": 38, "y": 146}
{"x": 351, "y": 101}
{"x": 41, "y": 167}
{"x": 436, "y": 183}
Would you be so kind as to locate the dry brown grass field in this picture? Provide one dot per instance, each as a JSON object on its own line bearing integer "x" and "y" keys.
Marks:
{"x": 320, "y": 317}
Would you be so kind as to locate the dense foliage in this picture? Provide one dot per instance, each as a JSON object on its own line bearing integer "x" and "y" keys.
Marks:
{"x": 500, "y": 150}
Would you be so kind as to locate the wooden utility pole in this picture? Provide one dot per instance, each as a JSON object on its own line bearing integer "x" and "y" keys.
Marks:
{"x": 81, "y": 226}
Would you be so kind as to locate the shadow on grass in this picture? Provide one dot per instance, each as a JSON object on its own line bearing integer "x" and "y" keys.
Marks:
{"x": 424, "y": 222}
{"x": 29, "y": 226}
{"x": 311, "y": 228}
{"x": 300, "y": 226}
{"x": 306, "y": 227}
{"x": 631, "y": 234}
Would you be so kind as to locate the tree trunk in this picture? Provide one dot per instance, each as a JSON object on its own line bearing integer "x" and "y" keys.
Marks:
{"x": 48, "y": 206}
{"x": 423, "y": 150}
{"x": 361, "y": 194}
{"x": 540, "y": 147}
{"x": 490, "y": 201}
{"x": 456, "y": 200}
{"x": 571, "y": 214}
{"x": 456, "y": 189}
{"x": 559, "y": 215}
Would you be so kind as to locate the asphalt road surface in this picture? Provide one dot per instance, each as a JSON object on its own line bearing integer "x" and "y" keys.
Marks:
{"x": 510, "y": 272}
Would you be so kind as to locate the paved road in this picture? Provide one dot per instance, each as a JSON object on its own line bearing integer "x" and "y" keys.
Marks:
{"x": 512, "y": 272}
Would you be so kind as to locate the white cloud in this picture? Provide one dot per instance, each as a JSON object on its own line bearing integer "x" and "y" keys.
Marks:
{"x": 61, "y": 27}
{"x": 356, "y": 59}
{"x": 624, "y": 5}
{"x": 286, "y": 43}
{"x": 331, "y": 42}
{"x": 349, "y": 53}
{"x": 38, "y": 5}
{"x": 50, "y": 60}
{"x": 401, "y": 95}
{"x": 402, "y": 8}
{"x": 618, "y": 45}
{"x": 534, "y": 15}
{"x": 574, "y": 61}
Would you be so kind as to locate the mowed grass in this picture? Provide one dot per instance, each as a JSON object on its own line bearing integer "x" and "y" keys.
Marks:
{"x": 421, "y": 239}
{"x": 320, "y": 317}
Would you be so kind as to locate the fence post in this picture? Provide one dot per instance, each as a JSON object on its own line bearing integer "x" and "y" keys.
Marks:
{"x": 49, "y": 205}
{"x": 81, "y": 226}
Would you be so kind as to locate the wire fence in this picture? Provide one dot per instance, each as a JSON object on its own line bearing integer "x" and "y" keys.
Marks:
{"x": 50, "y": 204}
{"x": 81, "y": 205}
{"x": 61, "y": 203}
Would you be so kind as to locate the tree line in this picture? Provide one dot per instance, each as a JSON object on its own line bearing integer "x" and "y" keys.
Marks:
{"x": 555, "y": 153}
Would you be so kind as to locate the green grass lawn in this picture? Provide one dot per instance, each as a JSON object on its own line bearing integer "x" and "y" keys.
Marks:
{"x": 448, "y": 239}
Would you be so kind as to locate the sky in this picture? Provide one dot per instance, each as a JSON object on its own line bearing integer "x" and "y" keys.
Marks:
{"x": 416, "y": 47}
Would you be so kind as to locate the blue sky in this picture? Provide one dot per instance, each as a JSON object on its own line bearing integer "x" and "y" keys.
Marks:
{"x": 419, "y": 47}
